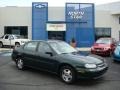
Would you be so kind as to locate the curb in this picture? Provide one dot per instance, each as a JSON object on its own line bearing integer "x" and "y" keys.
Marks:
{"x": 5, "y": 49}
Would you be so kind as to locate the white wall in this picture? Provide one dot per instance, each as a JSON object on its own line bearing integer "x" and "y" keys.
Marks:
{"x": 115, "y": 26}
{"x": 15, "y": 16}
{"x": 22, "y": 16}
{"x": 105, "y": 18}
{"x": 102, "y": 19}
{"x": 56, "y": 14}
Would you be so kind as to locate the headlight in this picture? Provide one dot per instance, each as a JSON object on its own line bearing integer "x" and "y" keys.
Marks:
{"x": 90, "y": 66}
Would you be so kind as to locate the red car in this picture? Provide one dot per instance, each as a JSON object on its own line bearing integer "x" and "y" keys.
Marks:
{"x": 104, "y": 46}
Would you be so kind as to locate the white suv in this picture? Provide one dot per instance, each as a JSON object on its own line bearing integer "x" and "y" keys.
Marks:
{"x": 13, "y": 40}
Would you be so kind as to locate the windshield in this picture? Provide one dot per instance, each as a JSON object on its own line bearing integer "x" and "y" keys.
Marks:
{"x": 62, "y": 47}
{"x": 103, "y": 41}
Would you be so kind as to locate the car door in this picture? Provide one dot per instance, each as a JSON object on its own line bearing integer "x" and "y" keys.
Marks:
{"x": 46, "y": 58}
{"x": 6, "y": 40}
{"x": 11, "y": 39}
{"x": 29, "y": 51}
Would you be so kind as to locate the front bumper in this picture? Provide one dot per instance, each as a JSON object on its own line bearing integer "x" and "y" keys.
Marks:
{"x": 91, "y": 73}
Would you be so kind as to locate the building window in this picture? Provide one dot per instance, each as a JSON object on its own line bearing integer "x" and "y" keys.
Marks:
{"x": 19, "y": 30}
{"x": 102, "y": 32}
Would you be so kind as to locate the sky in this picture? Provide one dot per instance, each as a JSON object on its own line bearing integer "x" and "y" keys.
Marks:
{"x": 4, "y": 3}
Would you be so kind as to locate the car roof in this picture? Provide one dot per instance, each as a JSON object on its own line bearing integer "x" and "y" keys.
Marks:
{"x": 13, "y": 34}
{"x": 47, "y": 41}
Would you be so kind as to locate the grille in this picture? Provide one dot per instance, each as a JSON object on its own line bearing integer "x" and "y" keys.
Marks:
{"x": 98, "y": 48}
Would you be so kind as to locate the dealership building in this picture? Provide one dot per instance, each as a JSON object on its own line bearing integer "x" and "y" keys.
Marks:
{"x": 84, "y": 22}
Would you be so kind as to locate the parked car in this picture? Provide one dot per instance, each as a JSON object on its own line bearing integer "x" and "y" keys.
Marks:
{"x": 13, "y": 40}
{"x": 104, "y": 46}
{"x": 116, "y": 54}
{"x": 60, "y": 58}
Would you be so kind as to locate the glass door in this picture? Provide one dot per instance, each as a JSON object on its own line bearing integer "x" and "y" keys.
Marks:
{"x": 56, "y": 35}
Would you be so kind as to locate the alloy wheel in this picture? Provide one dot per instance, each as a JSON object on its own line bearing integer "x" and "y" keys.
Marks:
{"x": 20, "y": 64}
{"x": 67, "y": 74}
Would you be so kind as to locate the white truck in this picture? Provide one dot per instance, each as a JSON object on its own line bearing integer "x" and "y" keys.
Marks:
{"x": 13, "y": 40}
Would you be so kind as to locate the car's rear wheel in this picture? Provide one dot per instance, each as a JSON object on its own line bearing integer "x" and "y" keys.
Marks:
{"x": 67, "y": 74}
{"x": 17, "y": 44}
{"x": 1, "y": 44}
{"x": 20, "y": 64}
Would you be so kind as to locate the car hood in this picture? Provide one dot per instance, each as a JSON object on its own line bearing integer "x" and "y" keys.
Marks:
{"x": 81, "y": 58}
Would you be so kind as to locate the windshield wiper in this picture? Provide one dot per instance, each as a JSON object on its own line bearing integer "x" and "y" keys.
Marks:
{"x": 74, "y": 52}
{"x": 64, "y": 53}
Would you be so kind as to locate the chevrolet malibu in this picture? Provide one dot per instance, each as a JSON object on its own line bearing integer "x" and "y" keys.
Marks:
{"x": 60, "y": 58}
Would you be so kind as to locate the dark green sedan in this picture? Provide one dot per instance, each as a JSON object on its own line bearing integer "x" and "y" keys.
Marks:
{"x": 60, "y": 58}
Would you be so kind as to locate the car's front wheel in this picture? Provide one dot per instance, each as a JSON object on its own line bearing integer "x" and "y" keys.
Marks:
{"x": 67, "y": 74}
{"x": 20, "y": 64}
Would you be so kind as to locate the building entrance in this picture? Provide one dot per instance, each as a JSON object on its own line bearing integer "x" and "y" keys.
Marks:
{"x": 56, "y": 35}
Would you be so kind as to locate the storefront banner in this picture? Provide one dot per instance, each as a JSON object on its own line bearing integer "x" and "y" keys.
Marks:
{"x": 56, "y": 27}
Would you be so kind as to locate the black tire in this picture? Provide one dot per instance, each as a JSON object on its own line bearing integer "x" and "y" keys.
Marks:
{"x": 67, "y": 74}
{"x": 1, "y": 44}
{"x": 20, "y": 64}
{"x": 17, "y": 44}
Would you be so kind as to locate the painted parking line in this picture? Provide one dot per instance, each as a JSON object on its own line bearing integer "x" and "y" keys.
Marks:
{"x": 5, "y": 52}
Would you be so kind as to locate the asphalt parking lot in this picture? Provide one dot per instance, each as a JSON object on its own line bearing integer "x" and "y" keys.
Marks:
{"x": 13, "y": 79}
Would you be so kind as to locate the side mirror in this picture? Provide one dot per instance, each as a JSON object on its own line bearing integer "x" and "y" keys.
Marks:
{"x": 49, "y": 53}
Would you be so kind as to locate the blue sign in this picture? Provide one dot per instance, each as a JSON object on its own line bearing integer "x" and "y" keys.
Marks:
{"x": 80, "y": 23}
{"x": 75, "y": 14}
{"x": 39, "y": 18}
{"x": 38, "y": 5}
